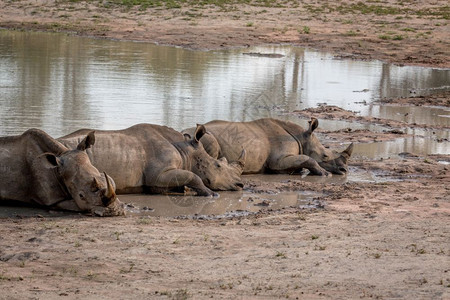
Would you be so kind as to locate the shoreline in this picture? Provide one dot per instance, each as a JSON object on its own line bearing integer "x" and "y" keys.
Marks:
{"x": 394, "y": 226}
{"x": 394, "y": 37}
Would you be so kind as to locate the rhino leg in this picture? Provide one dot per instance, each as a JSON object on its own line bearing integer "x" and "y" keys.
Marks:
{"x": 178, "y": 178}
{"x": 297, "y": 162}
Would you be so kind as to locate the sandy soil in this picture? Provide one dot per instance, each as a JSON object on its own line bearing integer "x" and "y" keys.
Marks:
{"x": 384, "y": 239}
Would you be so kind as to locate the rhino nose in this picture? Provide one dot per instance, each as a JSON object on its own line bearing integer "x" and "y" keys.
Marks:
{"x": 240, "y": 185}
{"x": 343, "y": 170}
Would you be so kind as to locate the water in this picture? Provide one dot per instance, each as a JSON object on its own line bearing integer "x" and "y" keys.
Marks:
{"x": 227, "y": 205}
{"x": 60, "y": 83}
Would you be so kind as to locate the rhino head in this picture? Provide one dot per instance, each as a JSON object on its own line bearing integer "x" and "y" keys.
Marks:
{"x": 216, "y": 174}
{"x": 331, "y": 160}
{"x": 91, "y": 190}
{"x": 338, "y": 165}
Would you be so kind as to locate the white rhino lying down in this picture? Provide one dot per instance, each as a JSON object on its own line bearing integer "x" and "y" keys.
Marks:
{"x": 273, "y": 146}
{"x": 157, "y": 159}
{"x": 35, "y": 168}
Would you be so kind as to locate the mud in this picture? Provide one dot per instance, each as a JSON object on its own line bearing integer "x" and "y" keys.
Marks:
{"x": 384, "y": 237}
{"x": 354, "y": 235}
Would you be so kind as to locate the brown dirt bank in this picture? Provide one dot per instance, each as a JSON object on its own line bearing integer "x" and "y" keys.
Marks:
{"x": 384, "y": 238}
{"x": 438, "y": 99}
{"x": 411, "y": 32}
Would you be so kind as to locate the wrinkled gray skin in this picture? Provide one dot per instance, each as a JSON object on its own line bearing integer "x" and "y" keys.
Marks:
{"x": 157, "y": 159}
{"x": 35, "y": 168}
{"x": 273, "y": 146}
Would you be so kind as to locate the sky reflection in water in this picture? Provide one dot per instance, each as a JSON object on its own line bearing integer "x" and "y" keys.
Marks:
{"x": 61, "y": 83}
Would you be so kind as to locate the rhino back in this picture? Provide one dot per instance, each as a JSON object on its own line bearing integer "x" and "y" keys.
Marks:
{"x": 22, "y": 178}
{"x": 13, "y": 170}
{"x": 235, "y": 136}
{"x": 131, "y": 156}
{"x": 265, "y": 141}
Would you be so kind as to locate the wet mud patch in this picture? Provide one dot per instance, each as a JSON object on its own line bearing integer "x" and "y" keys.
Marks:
{"x": 268, "y": 55}
{"x": 393, "y": 126}
{"x": 408, "y": 164}
{"x": 363, "y": 135}
{"x": 228, "y": 205}
{"x": 440, "y": 99}
{"x": 362, "y": 175}
{"x": 269, "y": 193}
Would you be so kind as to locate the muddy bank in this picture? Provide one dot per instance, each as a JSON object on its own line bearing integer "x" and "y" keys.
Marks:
{"x": 413, "y": 33}
{"x": 366, "y": 232}
{"x": 382, "y": 236}
{"x": 392, "y": 224}
{"x": 393, "y": 129}
{"x": 438, "y": 99}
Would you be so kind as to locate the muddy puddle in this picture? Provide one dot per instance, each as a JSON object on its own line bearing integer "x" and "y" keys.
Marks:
{"x": 248, "y": 201}
{"x": 230, "y": 204}
{"x": 60, "y": 83}
{"x": 227, "y": 204}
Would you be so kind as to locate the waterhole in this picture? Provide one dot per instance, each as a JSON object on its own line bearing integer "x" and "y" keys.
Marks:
{"x": 61, "y": 83}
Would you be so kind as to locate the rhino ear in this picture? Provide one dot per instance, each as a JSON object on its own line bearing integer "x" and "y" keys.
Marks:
{"x": 199, "y": 132}
{"x": 51, "y": 160}
{"x": 313, "y": 124}
{"x": 187, "y": 136}
{"x": 87, "y": 142}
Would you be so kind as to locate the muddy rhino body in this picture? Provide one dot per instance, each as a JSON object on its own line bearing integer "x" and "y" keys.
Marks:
{"x": 156, "y": 159}
{"x": 35, "y": 168}
{"x": 273, "y": 146}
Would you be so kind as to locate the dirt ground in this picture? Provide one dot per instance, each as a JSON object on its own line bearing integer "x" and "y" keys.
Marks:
{"x": 384, "y": 240}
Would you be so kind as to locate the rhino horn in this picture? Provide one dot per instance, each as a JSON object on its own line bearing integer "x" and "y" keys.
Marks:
{"x": 347, "y": 152}
{"x": 110, "y": 193}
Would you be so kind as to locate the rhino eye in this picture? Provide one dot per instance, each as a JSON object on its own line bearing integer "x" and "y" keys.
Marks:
{"x": 218, "y": 165}
{"x": 81, "y": 195}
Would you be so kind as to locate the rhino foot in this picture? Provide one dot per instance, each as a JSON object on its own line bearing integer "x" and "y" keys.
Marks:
{"x": 319, "y": 172}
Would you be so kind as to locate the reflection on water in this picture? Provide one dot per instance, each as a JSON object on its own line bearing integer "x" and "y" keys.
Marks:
{"x": 389, "y": 149}
{"x": 412, "y": 114}
{"x": 60, "y": 83}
